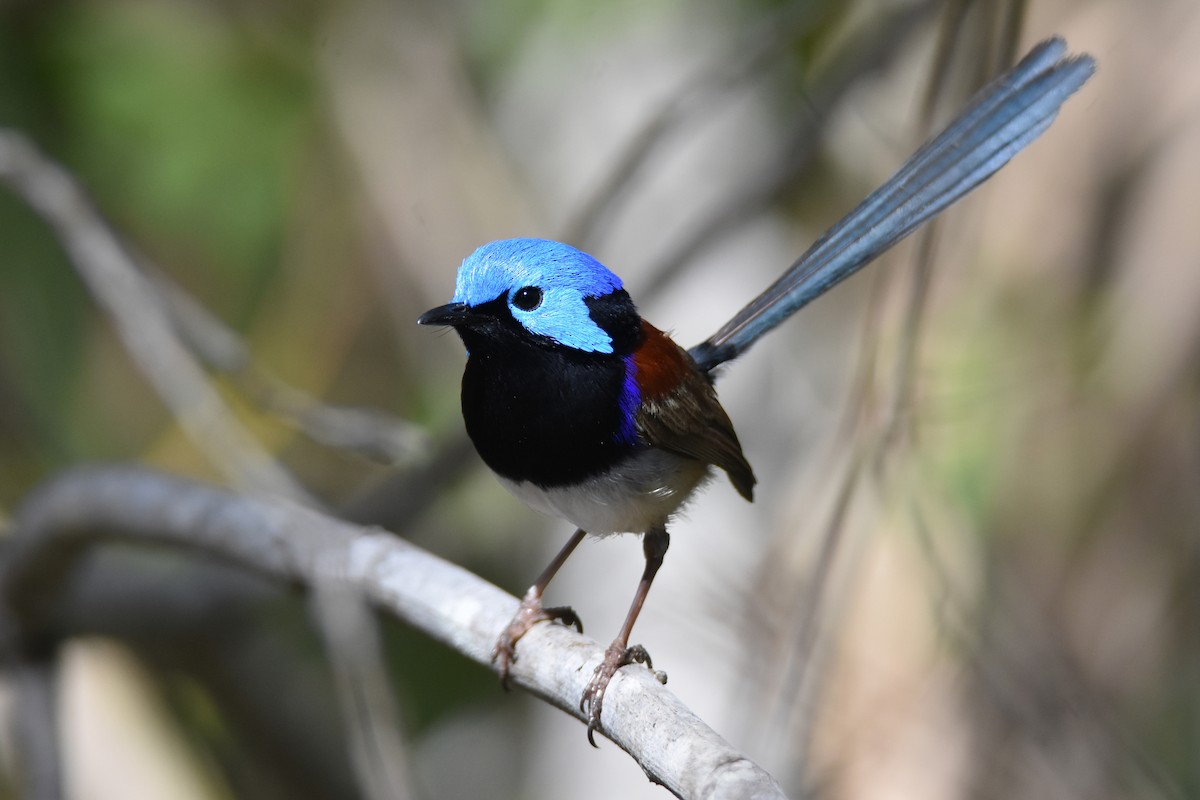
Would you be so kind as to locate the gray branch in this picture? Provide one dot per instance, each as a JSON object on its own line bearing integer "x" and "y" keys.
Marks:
{"x": 290, "y": 543}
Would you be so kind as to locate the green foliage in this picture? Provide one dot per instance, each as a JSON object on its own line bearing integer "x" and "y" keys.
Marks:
{"x": 43, "y": 322}
{"x": 189, "y": 129}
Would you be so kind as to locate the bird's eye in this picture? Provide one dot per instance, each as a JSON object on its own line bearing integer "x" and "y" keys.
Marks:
{"x": 527, "y": 298}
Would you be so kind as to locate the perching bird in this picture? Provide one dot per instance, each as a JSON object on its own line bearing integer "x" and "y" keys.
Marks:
{"x": 589, "y": 413}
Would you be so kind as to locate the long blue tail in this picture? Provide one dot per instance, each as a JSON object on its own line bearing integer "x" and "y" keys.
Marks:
{"x": 999, "y": 122}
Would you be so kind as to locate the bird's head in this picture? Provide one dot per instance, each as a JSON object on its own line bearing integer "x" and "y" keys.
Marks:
{"x": 539, "y": 293}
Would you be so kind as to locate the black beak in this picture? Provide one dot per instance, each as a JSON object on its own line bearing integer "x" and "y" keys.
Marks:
{"x": 451, "y": 314}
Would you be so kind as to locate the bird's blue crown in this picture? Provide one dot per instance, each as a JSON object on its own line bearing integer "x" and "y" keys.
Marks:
{"x": 563, "y": 278}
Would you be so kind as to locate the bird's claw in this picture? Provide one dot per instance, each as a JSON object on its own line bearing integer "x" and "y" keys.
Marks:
{"x": 616, "y": 656}
{"x": 528, "y": 614}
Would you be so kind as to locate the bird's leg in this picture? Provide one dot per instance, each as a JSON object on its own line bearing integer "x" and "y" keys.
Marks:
{"x": 619, "y": 653}
{"x": 531, "y": 612}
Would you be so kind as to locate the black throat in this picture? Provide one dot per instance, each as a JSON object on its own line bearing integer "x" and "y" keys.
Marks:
{"x": 542, "y": 412}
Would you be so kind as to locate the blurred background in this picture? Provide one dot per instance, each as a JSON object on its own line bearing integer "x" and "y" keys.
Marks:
{"x": 973, "y": 565}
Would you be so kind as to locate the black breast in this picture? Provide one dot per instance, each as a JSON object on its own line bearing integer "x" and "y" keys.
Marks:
{"x": 549, "y": 415}
{"x": 542, "y": 412}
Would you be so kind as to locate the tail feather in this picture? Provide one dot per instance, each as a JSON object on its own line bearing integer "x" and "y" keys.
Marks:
{"x": 999, "y": 122}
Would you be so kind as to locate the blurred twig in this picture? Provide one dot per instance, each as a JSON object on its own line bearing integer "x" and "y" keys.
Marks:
{"x": 950, "y": 39}
{"x": 872, "y": 438}
{"x": 949, "y": 36}
{"x": 90, "y": 507}
{"x": 368, "y": 432}
{"x": 800, "y": 670}
{"x": 40, "y": 772}
{"x": 743, "y": 61}
{"x": 1022, "y": 667}
{"x": 404, "y": 494}
{"x": 872, "y": 50}
{"x": 368, "y": 705}
{"x": 111, "y": 274}
{"x": 797, "y": 669}
{"x": 213, "y": 628}
{"x": 162, "y": 327}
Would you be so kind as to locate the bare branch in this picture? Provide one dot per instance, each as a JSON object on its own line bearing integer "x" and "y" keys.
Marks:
{"x": 288, "y": 542}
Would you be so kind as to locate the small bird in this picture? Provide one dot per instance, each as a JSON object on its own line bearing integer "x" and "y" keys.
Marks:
{"x": 587, "y": 412}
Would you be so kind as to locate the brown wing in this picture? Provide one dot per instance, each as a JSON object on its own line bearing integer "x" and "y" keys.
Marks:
{"x": 680, "y": 411}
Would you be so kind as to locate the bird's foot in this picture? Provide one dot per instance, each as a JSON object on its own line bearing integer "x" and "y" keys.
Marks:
{"x": 528, "y": 614}
{"x": 616, "y": 656}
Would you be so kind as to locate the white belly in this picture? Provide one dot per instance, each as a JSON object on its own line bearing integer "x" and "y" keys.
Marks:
{"x": 636, "y": 496}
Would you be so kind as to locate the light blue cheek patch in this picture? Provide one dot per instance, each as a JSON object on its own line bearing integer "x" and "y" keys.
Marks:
{"x": 563, "y": 316}
{"x": 565, "y": 275}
